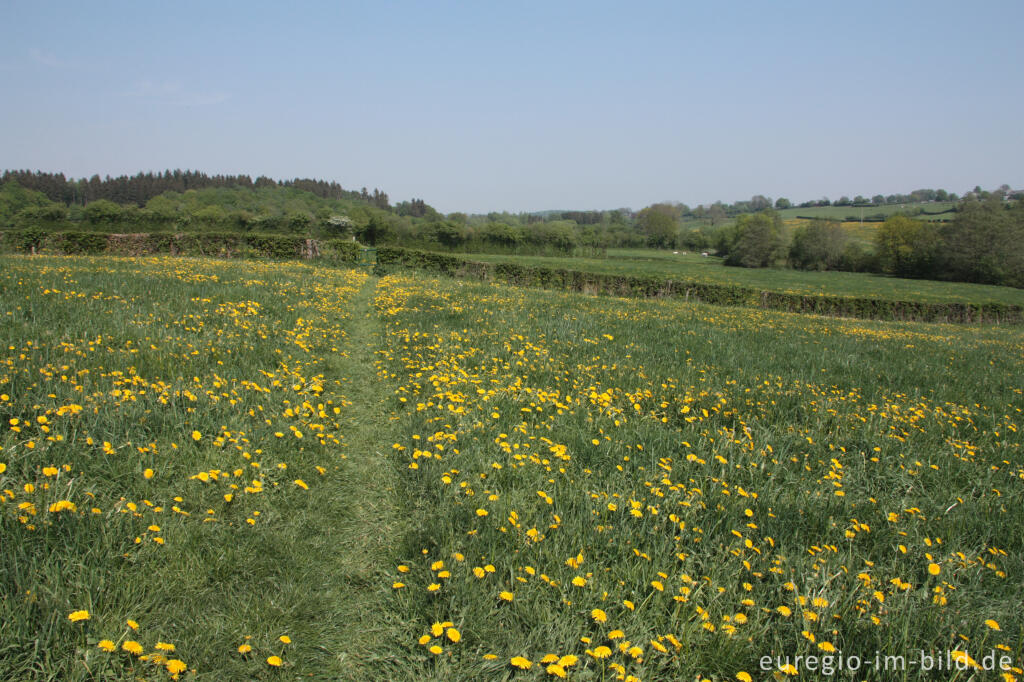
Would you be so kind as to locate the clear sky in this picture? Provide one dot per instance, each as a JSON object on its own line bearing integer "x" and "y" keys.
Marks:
{"x": 521, "y": 106}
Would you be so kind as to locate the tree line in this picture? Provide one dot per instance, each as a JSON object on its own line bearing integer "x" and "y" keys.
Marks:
{"x": 141, "y": 187}
{"x": 982, "y": 243}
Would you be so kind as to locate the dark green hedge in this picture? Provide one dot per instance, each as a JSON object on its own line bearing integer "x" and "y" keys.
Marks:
{"x": 715, "y": 294}
{"x": 224, "y": 245}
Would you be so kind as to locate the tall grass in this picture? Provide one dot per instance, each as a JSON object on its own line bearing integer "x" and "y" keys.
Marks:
{"x": 664, "y": 491}
{"x": 173, "y": 460}
{"x": 286, "y": 471}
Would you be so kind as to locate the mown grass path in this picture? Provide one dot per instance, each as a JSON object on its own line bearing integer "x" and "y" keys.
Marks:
{"x": 351, "y": 540}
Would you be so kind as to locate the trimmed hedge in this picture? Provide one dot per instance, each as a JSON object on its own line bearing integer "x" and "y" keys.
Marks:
{"x": 223, "y": 245}
{"x": 715, "y": 294}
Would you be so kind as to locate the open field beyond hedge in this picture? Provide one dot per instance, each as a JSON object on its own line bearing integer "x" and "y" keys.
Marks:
{"x": 249, "y": 470}
{"x": 693, "y": 266}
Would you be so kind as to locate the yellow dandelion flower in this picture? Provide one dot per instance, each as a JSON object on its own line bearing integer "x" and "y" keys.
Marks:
{"x": 196, "y": 436}
{"x": 934, "y": 569}
{"x": 274, "y": 661}
{"x": 76, "y": 616}
{"x": 106, "y": 645}
{"x": 521, "y": 663}
{"x": 555, "y": 670}
{"x": 599, "y": 615}
{"x": 244, "y": 648}
{"x": 992, "y": 624}
{"x": 453, "y": 634}
{"x": 132, "y": 647}
{"x": 436, "y": 650}
{"x": 963, "y": 658}
{"x": 744, "y": 676}
{"x": 175, "y": 666}
{"x": 506, "y": 596}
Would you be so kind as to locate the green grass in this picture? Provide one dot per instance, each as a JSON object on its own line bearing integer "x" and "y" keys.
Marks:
{"x": 854, "y": 213}
{"x": 695, "y": 468}
{"x": 692, "y": 266}
{"x": 246, "y": 355}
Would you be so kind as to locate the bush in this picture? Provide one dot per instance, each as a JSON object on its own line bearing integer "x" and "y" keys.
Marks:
{"x": 754, "y": 241}
{"x": 225, "y": 245}
{"x": 818, "y": 246}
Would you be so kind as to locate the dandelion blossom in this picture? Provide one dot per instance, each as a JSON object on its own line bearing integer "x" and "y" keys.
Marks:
{"x": 274, "y": 661}
{"x": 175, "y": 666}
{"x": 106, "y": 645}
{"x": 76, "y": 616}
{"x": 521, "y": 663}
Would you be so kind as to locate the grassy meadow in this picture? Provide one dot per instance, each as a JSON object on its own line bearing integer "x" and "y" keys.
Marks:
{"x": 694, "y": 267}
{"x": 239, "y": 470}
{"x": 935, "y": 210}
{"x": 174, "y": 469}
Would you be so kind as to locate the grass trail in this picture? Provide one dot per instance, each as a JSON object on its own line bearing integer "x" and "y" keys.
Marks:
{"x": 351, "y": 540}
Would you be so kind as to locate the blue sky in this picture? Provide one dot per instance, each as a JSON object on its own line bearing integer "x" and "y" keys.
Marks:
{"x": 520, "y": 106}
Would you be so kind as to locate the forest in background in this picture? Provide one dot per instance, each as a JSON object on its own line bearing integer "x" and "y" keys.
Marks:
{"x": 928, "y": 233}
